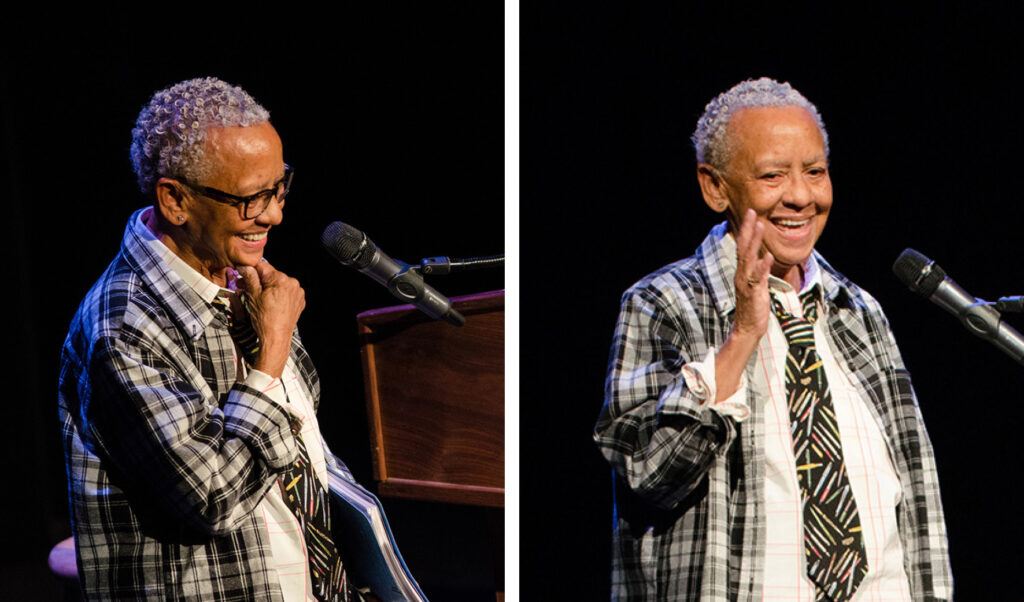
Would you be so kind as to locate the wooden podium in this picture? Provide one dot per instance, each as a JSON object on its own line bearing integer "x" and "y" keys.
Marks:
{"x": 435, "y": 396}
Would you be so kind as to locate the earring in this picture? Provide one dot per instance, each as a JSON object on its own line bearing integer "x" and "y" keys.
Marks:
{"x": 181, "y": 218}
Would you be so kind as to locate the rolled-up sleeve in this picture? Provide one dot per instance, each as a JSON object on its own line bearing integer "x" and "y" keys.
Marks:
{"x": 658, "y": 428}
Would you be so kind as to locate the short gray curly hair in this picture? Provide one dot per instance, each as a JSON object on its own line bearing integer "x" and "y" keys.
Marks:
{"x": 169, "y": 135}
{"x": 710, "y": 138}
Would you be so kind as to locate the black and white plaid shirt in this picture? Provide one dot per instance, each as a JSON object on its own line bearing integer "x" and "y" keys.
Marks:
{"x": 690, "y": 482}
{"x": 168, "y": 456}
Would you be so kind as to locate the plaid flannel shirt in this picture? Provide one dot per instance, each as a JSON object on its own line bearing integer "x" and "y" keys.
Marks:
{"x": 167, "y": 455}
{"x": 689, "y": 495}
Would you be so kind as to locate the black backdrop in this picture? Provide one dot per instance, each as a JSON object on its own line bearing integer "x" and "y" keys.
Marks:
{"x": 923, "y": 111}
{"x": 393, "y": 119}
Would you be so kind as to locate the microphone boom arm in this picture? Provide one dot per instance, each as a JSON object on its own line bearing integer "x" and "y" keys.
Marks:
{"x": 440, "y": 266}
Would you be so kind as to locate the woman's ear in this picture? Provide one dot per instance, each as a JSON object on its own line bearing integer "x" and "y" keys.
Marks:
{"x": 171, "y": 201}
{"x": 712, "y": 187}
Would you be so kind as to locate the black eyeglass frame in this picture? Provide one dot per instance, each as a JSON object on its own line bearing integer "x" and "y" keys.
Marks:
{"x": 231, "y": 199}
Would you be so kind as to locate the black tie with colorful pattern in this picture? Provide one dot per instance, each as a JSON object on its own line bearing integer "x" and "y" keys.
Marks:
{"x": 302, "y": 491}
{"x": 833, "y": 541}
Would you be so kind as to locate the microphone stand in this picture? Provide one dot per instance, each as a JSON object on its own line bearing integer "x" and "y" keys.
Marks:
{"x": 1009, "y": 303}
{"x": 441, "y": 266}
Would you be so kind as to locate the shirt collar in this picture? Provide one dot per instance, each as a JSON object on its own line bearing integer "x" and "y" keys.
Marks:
{"x": 203, "y": 286}
{"x": 187, "y": 307}
{"x": 812, "y": 276}
{"x": 718, "y": 254}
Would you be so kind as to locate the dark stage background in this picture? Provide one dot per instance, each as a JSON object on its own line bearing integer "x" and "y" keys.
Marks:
{"x": 393, "y": 119}
{"x": 923, "y": 111}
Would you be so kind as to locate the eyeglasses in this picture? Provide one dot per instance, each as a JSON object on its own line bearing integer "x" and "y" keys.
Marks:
{"x": 253, "y": 205}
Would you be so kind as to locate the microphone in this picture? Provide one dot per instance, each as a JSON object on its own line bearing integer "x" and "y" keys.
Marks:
{"x": 353, "y": 248}
{"x": 924, "y": 277}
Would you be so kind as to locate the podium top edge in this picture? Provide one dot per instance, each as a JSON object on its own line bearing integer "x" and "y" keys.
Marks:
{"x": 457, "y": 302}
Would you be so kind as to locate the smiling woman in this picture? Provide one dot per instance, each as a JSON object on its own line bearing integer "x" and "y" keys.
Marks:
{"x": 210, "y": 235}
{"x": 186, "y": 397}
{"x": 779, "y": 169}
{"x": 719, "y": 421}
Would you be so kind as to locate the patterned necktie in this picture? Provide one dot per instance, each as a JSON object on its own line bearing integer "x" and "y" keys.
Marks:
{"x": 302, "y": 491}
{"x": 241, "y": 328}
{"x": 833, "y": 542}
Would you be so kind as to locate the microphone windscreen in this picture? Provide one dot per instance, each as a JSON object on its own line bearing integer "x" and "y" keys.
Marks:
{"x": 344, "y": 243}
{"x": 919, "y": 273}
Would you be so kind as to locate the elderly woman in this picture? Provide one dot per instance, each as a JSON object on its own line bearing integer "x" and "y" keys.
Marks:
{"x": 195, "y": 464}
{"x": 764, "y": 435}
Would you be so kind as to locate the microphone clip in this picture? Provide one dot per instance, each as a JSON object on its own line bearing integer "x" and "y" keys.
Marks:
{"x": 407, "y": 283}
{"x": 982, "y": 319}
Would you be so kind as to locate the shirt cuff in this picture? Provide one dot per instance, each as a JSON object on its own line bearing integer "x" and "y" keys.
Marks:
{"x": 700, "y": 380}
{"x": 268, "y": 385}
